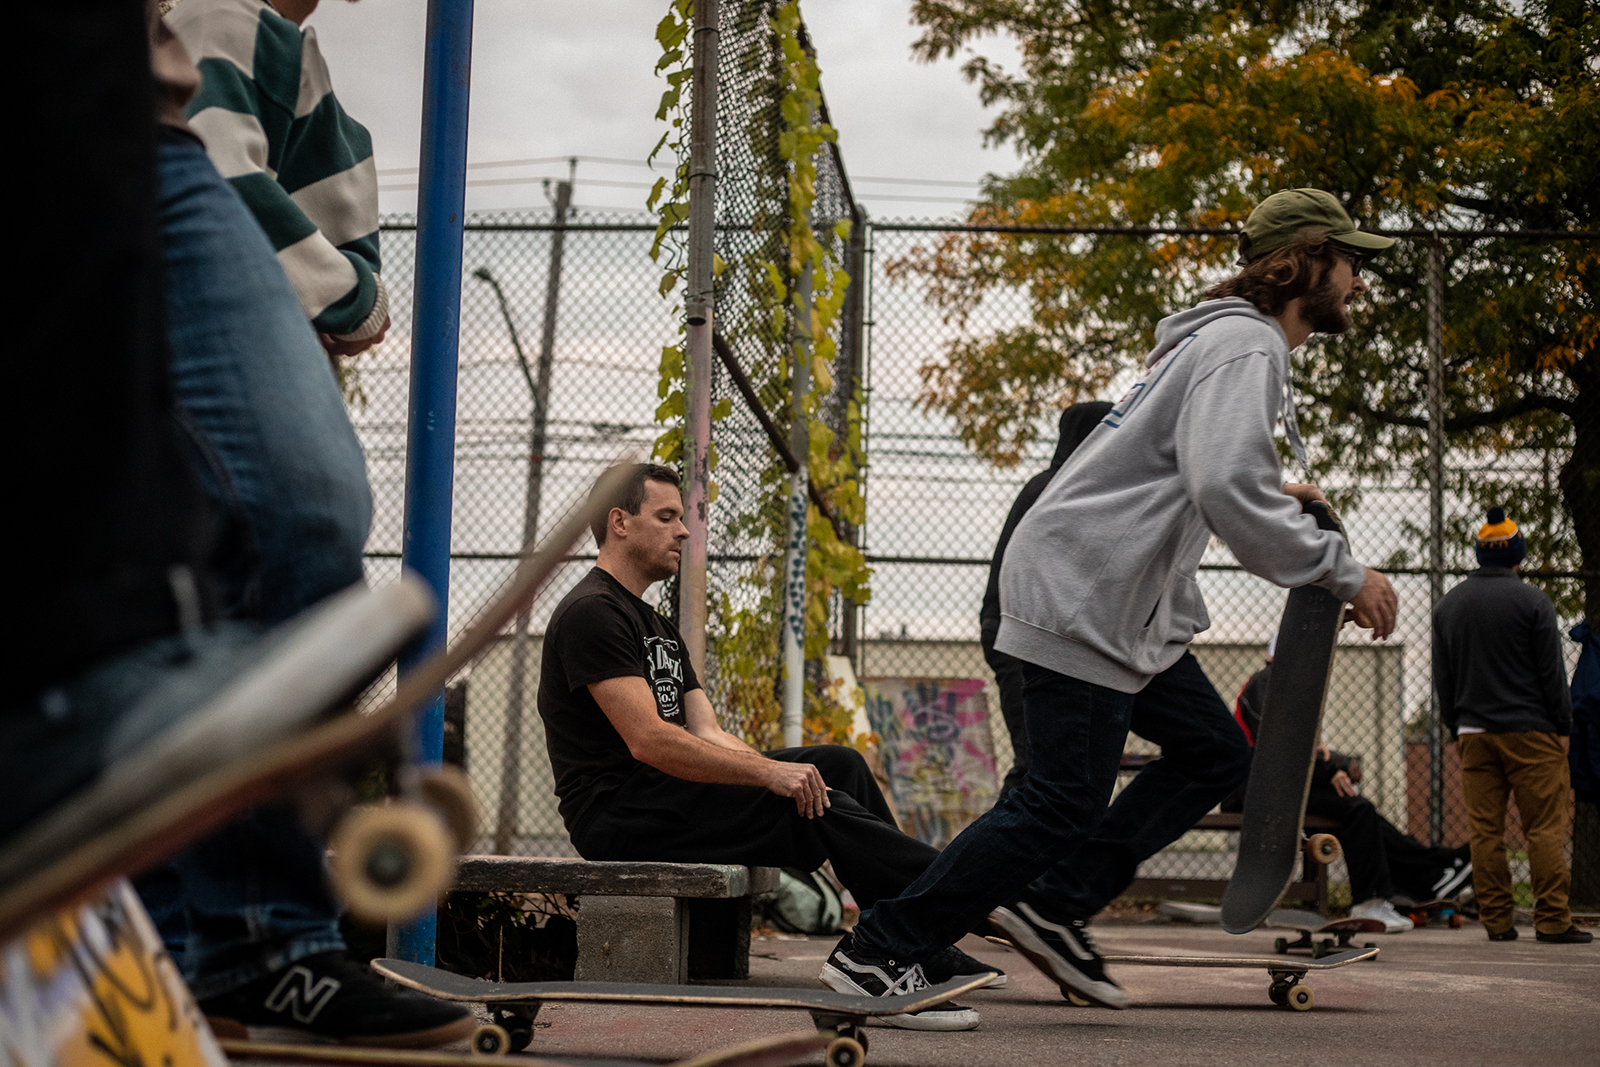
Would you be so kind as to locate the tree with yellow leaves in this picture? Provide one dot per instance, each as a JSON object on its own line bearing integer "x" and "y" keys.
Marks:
{"x": 1477, "y": 114}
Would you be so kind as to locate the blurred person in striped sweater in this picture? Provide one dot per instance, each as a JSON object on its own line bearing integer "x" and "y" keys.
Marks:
{"x": 272, "y": 125}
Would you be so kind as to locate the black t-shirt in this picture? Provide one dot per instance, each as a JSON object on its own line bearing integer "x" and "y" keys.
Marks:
{"x": 600, "y": 630}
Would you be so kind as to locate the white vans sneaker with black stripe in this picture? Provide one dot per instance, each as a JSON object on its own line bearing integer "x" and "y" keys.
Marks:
{"x": 849, "y": 970}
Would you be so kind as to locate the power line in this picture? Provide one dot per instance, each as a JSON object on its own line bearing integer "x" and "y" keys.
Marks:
{"x": 485, "y": 164}
{"x": 526, "y": 181}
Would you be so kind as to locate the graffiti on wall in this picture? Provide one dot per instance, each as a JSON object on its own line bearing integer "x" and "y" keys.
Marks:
{"x": 936, "y": 745}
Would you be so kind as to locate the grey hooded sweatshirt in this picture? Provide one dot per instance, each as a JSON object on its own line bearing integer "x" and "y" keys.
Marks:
{"x": 1098, "y": 582}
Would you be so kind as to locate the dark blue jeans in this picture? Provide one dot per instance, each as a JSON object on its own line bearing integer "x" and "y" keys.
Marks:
{"x": 275, "y": 448}
{"x": 1055, "y": 830}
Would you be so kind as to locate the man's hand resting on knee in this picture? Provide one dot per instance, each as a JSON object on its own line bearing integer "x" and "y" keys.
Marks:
{"x": 701, "y": 751}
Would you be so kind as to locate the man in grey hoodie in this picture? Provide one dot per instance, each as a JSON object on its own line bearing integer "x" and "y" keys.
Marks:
{"x": 1098, "y": 597}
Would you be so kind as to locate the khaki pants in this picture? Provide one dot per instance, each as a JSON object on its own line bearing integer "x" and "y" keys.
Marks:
{"x": 1533, "y": 767}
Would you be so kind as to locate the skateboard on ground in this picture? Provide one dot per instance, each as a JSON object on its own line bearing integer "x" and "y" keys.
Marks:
{"x": 1444, "y": 912}
{"x": 841, "y": 1017}
{"x": 1310, "y": 925}
{"x": 1288, "y": 988}
{"x": 243, "y": 748}
{"x": 784, "y": 1050}
{"x": 1280, "y": 770}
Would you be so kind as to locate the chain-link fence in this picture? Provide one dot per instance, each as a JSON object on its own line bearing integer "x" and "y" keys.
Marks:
{"x": 935, "y": 510}
{"x": 562, "y": 332}
{"x": 568, "y": 306}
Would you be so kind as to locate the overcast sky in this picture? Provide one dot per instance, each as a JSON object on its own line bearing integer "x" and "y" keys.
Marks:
{"x": 556, "y": 79}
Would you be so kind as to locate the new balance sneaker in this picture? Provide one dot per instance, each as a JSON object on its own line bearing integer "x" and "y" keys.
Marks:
{"x": 1380, "y": 909}
{"x": 331, "y": 998}
{"x": 850, "y": 970}
{"x": 1452, "y": 879}
{"x": 952, "y": 963}
{"x": 1570, "y": 936}
{"x": 1062, "y": 950}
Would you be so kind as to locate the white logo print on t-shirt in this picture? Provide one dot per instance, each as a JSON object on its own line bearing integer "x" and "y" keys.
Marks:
{"x": 664, "y": 672}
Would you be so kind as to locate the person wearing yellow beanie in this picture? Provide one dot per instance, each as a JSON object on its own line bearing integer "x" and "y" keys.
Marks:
{"x": 1502, "y": 689}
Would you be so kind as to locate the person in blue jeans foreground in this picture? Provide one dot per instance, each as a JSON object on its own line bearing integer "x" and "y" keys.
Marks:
{"x": 246, "y": 914}
{"x": 1098, "y": 597}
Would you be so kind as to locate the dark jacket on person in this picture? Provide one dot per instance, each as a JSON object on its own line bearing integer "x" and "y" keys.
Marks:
{"x": 1076, "y": 423}
{"x": 1497, "y": 657}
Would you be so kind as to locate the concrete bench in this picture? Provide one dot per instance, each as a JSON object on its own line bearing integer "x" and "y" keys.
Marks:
{"x": 641, "y": 922}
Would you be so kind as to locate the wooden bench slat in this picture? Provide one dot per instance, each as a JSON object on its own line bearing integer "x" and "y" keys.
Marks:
{"x": 535, "y": 874}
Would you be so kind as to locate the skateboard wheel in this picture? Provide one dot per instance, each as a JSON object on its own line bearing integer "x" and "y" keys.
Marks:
{"x": 390, "y": 863}
{"x": 449, "y": 793}
{"x": 1324, "y": 848}
{"x": 1299, "y": 997}
{"x": 1278, "y": 993}
{"x": 1281, "y": 946}
{"x": 490, "y": 1040}
{"x": 1078, "y": 1002}
{"x": 844, "y": 1052}
{"x": 1455, "y": 922}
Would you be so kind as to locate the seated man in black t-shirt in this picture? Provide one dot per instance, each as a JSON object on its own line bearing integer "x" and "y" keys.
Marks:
{"x": 643, "y": 770}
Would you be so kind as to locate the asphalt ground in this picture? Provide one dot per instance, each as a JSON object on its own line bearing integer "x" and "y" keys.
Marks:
{"x": 1433, "y": 996}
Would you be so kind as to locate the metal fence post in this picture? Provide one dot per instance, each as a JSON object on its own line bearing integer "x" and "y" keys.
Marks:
{"x": 435, "y": 337}
{"x": 794, "y": 556}
{"x": 1435, "y": 286}
{"x": 697, "y": 335}
{"x": 539, "y": 393}
{"x": 855, "y": 259}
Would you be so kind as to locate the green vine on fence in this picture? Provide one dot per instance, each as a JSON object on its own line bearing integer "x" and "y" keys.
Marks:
{"x": 748, "y": 636}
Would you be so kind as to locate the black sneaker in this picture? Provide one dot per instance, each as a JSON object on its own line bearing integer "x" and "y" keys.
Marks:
{"x": 849, "y": 970}
{"x": 1064, "y": 951}
{"x": 332, "y": 997}
{"x": 1508, "y": 934}
{"x": 1451, "y": 879}
{"x": 952, "y": 963}
{"x": 1570, "y": 936}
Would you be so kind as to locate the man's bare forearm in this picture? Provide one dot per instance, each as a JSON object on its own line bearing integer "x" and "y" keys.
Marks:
{"x": 683, "y": 755}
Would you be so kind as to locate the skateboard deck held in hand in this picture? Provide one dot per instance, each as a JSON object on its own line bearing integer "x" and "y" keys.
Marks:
{"x": 1280, "y": 770}
{"x": 517, "y": 1003}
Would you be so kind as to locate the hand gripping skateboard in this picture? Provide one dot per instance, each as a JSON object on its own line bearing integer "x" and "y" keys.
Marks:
{"x": 1310, "y": 924}
{"x": 515, "y": 1005}
{"x": 266, "y": 733}
{"x": 1280, "y": 770}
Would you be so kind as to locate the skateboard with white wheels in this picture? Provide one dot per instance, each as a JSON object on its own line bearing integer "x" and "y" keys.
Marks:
{"x": 782, "y": 1050}
{"x": 286, "y": 726}
{"x": 1273, "y": 822}
{"x": 1289, "y": 988}
{"x": 1312, "y": 925}
{"x": 842, "y": 1017}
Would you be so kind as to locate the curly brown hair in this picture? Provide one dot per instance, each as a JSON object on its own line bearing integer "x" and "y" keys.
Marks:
{"x": 1278, "y": 277}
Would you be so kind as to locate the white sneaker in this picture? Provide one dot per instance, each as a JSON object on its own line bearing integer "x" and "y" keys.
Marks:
{"x": 1383, "y": 911}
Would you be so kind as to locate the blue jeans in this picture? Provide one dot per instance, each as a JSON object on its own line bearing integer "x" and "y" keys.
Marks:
{"x": 274, "y": 447}
{"x": 1054, "y": 830}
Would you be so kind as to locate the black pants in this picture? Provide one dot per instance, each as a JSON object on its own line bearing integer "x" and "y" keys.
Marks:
{"x": 1383, "y": 861}
{"x": 1008, "y": 679}
{"x": 655, "y": 816}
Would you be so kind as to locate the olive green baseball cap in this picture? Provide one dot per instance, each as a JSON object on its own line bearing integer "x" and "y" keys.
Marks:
{"x": 1282, "y": 217}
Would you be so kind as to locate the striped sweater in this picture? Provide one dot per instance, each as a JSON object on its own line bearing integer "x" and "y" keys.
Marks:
{"x": 272, "y": 126}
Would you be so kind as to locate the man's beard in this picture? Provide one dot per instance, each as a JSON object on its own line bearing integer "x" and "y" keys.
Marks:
{"x": 1323, "y": 310}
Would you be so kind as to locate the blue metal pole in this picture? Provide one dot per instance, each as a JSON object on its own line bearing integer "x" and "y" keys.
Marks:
{"x": 435, "y": 335}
